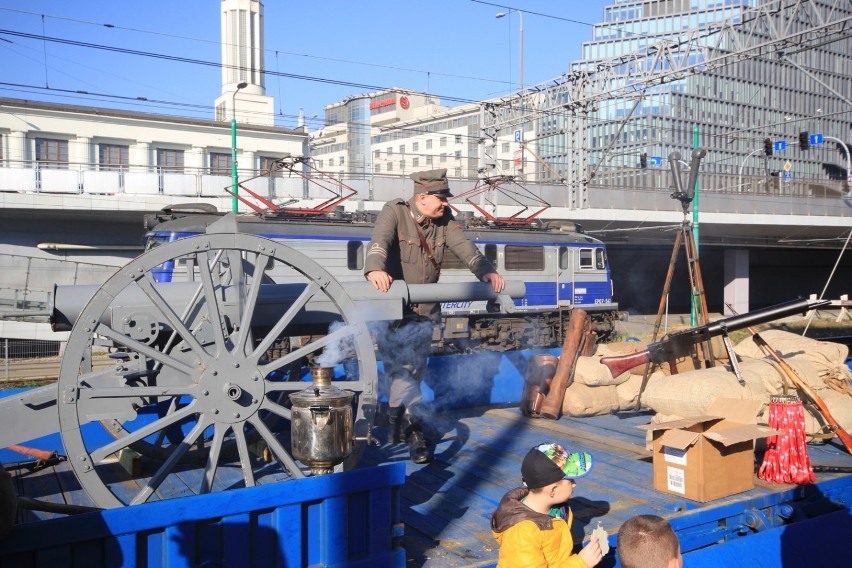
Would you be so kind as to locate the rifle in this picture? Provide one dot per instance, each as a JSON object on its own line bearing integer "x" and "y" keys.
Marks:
{"x": 805, "y": 388}
{"x": 681, "y": 343}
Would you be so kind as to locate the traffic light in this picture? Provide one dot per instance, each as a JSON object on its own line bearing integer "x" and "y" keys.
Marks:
{"x": 804, "y": 140}
{"x": 767, "y": 147}
{"x": 643, "y": 160}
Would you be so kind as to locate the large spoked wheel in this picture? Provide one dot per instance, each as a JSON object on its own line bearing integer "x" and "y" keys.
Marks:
{"x": 198, "y": 400}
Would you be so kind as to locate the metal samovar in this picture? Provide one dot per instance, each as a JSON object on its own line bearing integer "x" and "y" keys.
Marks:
{"x": 321, "y": 432}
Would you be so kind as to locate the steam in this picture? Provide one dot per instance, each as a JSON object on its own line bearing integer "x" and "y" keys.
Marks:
{"x": 333, "y": 353}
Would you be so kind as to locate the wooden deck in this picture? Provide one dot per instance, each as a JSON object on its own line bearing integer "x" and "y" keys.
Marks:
{"x": 447, "y": 504}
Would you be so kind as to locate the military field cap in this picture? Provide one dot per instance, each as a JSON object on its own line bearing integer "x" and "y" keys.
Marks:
{"x": 433, "y": 182}
{"x": 548, "y": 463}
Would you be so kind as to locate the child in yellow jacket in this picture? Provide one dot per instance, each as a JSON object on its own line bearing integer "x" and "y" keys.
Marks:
{"x": 532, "y": 524}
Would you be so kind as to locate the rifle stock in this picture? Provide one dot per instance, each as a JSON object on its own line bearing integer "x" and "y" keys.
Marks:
{"x": 681, "y": 343}
{"x": 622, "y": 363}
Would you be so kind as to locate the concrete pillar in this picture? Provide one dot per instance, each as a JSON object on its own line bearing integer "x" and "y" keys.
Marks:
{"x": 194, "y": 160}
{"x": 736, "y": 281}
{"x": 18, "y": 153}
{"x": 80, "y": 152}
{"x": 140, "y": 156}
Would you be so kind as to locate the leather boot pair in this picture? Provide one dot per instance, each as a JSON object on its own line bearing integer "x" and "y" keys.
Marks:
{"x": 403, "y": 424}
{"x": 418, "y": 448}
{"x": 395, "y": 414}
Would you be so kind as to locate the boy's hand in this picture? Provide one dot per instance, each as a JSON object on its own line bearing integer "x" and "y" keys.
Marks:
{"x": 591, "y": 553}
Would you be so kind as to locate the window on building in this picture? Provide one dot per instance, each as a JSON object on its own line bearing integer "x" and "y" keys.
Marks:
{"x": 506, "y": 164}
{"x": 520, "y": 257}
{"x": 402, "y": 165}
{"x": 220, "y": 164}
{"x": 458, "y": 154}
{"x": 340, "y": 161}
{"x": 377, "y": 153}
{"x": 428, "y": 143}
{"x": 402, "y": 148}
{"x": 377, "y": 168}
{"x": 269, "y": 166}
{"x": 170, "y": 160}
{"x": 457, "y": 172}
{"x": 505, "y": 147}
{"x": 415, "y": 162}
{"x": 52, "y": 153}
{"x": 428, "y": 160}
{"x": 443, "y": 141}
{"x": 114, "y": 157}
{"x": 443, "y": 157}
{"x": 390, "y": 151}
{"x": 390, "y": 166}
{"x": 458, "y": 138}
{"x": 415, "y": 146}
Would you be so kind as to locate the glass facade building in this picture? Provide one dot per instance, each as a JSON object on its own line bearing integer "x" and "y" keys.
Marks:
{"x": 731, "y": 109}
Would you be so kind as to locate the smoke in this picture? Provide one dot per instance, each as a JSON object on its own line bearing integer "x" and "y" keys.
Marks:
{"x": 334, "y": 353}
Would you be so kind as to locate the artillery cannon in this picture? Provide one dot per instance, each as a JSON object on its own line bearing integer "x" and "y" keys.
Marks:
{"x": 203, "y": 366}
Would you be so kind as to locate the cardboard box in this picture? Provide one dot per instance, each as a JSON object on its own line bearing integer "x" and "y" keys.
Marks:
{"x": 708, "y": 457}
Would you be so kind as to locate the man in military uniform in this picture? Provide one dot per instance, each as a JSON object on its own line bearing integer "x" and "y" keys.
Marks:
{"x": 408, "y": 243}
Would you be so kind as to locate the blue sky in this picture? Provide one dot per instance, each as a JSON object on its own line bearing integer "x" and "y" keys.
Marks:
{"x": 455, "y": 49}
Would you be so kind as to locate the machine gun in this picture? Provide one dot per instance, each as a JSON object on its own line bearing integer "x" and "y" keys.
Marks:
{"x": 681, "y": 343}
{"x": 199, "y": 360}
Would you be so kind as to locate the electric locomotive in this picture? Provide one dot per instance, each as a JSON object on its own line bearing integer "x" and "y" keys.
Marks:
{"x": 562, "y": 268}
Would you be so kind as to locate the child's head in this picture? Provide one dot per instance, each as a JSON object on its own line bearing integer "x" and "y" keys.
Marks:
{"x": 648, "y": 541}
{"x": 546, "y": 465}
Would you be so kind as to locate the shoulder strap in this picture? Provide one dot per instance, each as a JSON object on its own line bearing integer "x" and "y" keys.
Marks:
{"x": 424, "y": 244}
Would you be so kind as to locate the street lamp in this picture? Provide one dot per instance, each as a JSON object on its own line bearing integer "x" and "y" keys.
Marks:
{"x": 234, "y": 179}
{"x": 520, "y": 71}
{"x": 520, "y": 44}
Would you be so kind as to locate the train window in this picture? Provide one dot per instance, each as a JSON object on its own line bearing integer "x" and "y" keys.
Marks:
{"x": 600, "y": 259}
{"x": 520, "y": 257}
{"x": 586, "y": 258}
{"x": 491, "y": 254}
{"x": 451, "y": 260}
{"x": 564, "y": 258}
{"x": 355, "y": 255}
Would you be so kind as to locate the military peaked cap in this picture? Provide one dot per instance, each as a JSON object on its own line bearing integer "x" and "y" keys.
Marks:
{"x": 433, "y": 182}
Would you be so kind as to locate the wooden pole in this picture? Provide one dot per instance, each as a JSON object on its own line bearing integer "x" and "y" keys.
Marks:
{"x": 564, "y": 374}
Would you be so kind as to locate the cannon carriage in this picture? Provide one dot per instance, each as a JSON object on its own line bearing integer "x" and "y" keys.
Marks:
{"x": 211, "y": 381}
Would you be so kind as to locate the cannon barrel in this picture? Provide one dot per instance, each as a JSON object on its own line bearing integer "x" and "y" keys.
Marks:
{"x": 275, "y": 299}
{"x": 764, "y": 315}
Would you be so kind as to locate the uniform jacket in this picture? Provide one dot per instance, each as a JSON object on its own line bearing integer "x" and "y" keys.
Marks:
{"x": 531, "y": 539}
{"x": 396, "y": 249}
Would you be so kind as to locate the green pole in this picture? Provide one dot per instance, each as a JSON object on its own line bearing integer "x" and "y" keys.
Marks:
{"x": 693, "y": 315}
{"x": 234, "y": 180}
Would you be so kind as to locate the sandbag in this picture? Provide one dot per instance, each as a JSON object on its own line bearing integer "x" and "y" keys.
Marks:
{"x": 590, "y": 372}
{"x": 826, "y": 356}
{"x": 583, "y": 400}
{"x": 690, "y": 393}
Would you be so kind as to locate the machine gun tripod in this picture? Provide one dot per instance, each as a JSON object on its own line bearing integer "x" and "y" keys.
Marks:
{"x": 696, "y": 282}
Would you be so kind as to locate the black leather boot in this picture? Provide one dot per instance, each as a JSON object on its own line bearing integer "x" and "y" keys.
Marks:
{"x": 395, "y": 424}
{"x": 418, "y": 448}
